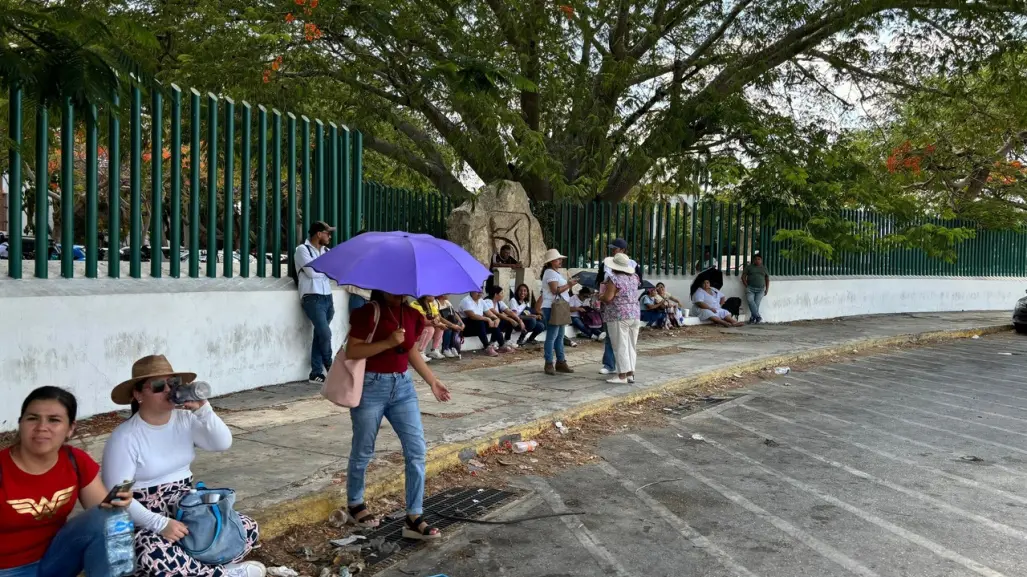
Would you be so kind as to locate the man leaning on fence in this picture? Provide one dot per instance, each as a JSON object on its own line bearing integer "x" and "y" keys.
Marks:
{"x": 316, "y": 298}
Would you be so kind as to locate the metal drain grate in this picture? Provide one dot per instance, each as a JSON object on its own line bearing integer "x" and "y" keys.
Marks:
{"x": 456, "y": 502}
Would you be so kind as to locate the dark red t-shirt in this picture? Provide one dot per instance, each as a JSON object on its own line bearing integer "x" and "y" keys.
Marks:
{"x": 34, "y": 507}
{"x": 361, "y": 323}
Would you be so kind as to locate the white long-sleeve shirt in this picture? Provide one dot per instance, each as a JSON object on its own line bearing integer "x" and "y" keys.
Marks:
{"x": 311, "y": 282}
{"x": 155, "y": 455}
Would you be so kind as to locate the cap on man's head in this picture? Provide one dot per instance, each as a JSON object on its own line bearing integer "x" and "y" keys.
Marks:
{"x": 619, "y": 243}
{"x": 320, "y": 226}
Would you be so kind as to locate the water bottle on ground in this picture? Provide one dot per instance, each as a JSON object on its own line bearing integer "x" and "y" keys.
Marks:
{"x": 194, "y": 391}
{"x": 524, "y": 446}
{"x": 120, "y": 535}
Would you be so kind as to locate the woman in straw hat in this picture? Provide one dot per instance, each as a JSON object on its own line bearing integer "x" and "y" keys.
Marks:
{"x": 621, "y": 314}
{"x": 156, "y": 447}
{"x": 554, "y": 287}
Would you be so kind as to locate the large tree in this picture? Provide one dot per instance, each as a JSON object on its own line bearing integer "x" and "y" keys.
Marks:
{"x": 587, "y": 98}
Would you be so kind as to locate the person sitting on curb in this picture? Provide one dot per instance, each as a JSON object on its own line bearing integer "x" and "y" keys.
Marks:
{"x": 41, "y": 479}
{"x": 580, "y": 303}
{"x": 526, "y": 306}
{"x": 709, "y": 303}
{"x": 508, "y": 320}
{"x": 156, "y": 446}
{"x": 654, "y": 314}
{"x": 452, "y": 338}
{"x": 670, "y": 303}
{"x": 480, "y": 322}
{"x": 433, "y": 328}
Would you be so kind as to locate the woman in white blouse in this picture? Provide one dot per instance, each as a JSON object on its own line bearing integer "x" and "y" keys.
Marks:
{"x": 554, "y": 287}
{"x": 156, "y": 448}
{"x": 709, "y": 302}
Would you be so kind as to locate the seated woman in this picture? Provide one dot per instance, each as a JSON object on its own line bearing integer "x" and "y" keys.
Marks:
{"x": 654, "y": 315}
{"x": 580, "y": 303}
{"x": 525, "y": 306}
{"x": 670, "y": 303}
{"x": 156, "y": 447}
{"x": 452, "y": 337}
{"x": 41, "y": 478}
{"x": 433, "y": 328}
{"x": 710, "y": 306}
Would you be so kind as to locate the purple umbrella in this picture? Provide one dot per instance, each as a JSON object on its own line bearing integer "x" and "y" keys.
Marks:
{"x": 402, "y": 263}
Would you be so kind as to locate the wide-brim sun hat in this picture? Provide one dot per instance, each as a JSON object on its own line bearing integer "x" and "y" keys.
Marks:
{"x": 619, "y": 263}
{"x": 148, "y": 367}
{"x": 551, "y": 255}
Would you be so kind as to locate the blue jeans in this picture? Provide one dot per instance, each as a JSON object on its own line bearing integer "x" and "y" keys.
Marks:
{"x": 584, "y": 331}
{"x": 79, "y": 545}
{"x": 754, "y": 295}
{"x": 389, "y": 395}
{"x": 320, "y": 309}
{"x": 451, "y": 340}
{"x": 532, "y": 328}
{"x": 609, "y": 361}
{"x": 554, "y": 339}
{"x": 654, "y": 318}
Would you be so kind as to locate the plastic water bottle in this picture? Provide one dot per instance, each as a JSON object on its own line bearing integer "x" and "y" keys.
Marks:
{"x": 194, "y": 391}
{"x": 524, "y": 446}
{"x": 120, "y": 535}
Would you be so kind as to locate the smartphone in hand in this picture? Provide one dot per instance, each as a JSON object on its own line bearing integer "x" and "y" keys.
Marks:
{"x": 124, "y": 487}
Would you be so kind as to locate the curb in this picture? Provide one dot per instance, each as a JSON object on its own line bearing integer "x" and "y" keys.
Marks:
{"x": 316, "y": 507}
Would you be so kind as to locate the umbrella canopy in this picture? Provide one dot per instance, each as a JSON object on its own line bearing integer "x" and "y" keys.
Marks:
{"x": 711, "y": 274}
{"x": 586, "y": 278}
{"x": 646, "y": 285}
{"x": 402, "y": 263}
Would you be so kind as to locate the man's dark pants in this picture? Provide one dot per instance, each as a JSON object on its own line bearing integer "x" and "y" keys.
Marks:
{"x": 320, "y": 309}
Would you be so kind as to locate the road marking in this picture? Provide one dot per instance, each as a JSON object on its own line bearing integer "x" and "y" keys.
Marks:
{"x": 924, "y": 411}
{"x": 784, "y": 526}
{"x": 914, "y": 423}
{"x": 914, "y": 538}
{"x": 934, "y": 389}
{"x": 991, "y": 524}
{"x": 923, "y": 397}
{"x": 686, "y": 531}
{"x": 595, "y": 548}
{"x": 967, "y": 481}
{"x": 880, "y": 431}
{"x": 958, "y": 373}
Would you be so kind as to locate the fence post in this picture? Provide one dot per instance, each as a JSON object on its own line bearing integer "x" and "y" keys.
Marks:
{"x": 358, "y": 173}
{"x": 333, "y": 181}
{"x": 276, "y": 191}
{"x": 114, "y": 189}
{"x": 67, "y": 189}
{"x": 262, "y": 192}
{"x": 14, "y": 195}
{"x": 175, "y": 242}
{"x": 135, "y": 184}
{"x": 212, "y": 186}
{"x": 244, "y": 220}
{"x": 228, "y": 232}
{"x": 42, "y": 224}
{"x": 319, "y": 180}
{"x": 156, "y": 182}
{"x": 92, "y": 201}
{"x": 346, "y": 184}
{"x": 195, "y": 146}
{"x": 290, "y": 142}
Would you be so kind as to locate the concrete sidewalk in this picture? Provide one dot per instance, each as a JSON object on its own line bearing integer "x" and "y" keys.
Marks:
{"x": 291, "y": 446}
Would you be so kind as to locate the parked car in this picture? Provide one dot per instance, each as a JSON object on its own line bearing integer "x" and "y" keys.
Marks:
{"x": 1020, "y": 316}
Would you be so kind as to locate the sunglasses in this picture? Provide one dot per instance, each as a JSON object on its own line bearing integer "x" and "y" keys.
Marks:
{"x": 160, "y": 385}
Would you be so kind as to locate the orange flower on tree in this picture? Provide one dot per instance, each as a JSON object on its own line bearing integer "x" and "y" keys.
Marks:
{"x": 289, "y": 18}
{"x": 568, "y": 11}
{"x": 301, "y": 2}
{"x": 313, "y": 3}
{"x": 276, "y": 64}
{"x": 311, "y": 31}
{"x": 267, "y": 76}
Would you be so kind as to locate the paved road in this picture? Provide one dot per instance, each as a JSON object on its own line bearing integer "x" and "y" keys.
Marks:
{"x": 864, "y": 468}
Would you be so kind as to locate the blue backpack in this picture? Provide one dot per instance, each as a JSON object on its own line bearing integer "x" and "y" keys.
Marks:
{"x": 216, "y": 533}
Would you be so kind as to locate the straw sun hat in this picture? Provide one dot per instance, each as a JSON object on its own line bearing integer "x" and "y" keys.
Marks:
{"x": 551, "y": 255}
{"x": 620, "y": 263}
{"x": 146, "y": 368}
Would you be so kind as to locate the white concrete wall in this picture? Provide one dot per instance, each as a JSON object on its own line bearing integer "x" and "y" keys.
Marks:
{"x": 237, "y": 335}
{"x": 244, "y": 333}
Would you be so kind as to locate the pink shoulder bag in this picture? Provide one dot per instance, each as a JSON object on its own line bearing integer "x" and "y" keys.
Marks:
{"x": 345, "y": 381}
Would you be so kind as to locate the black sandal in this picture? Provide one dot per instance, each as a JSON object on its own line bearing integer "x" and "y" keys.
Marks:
{"x": 413, "y": 530}
{"x": 368, "y": 521}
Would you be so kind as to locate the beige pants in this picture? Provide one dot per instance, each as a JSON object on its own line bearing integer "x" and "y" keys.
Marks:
{"x": 624, "y": 339}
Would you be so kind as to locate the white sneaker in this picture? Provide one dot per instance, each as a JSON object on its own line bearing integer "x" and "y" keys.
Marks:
{"x": 617, "y": 381}
{"x": 604, "y": 371}
{"x": 596, "y": 338}
{"x": 449, "y": 353}
{"x": 512, "y": 344}
{"x": 245, "y": 569}
{"x": 602, "y": 336}
{"x": 426, "y": 358}
{"x": 436, "y": 354}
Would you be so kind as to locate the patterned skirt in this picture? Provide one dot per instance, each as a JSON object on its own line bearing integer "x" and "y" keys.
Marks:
{"x": 158, "y": 557}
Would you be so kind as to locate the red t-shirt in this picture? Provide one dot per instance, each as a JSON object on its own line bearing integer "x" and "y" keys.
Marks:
{"x": 362, "y": 322}
{"x": 34, "y": 507}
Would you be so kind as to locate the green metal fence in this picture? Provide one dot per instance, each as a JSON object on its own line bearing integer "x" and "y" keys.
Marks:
{"x": 206, "y": 180}
{"x": 388, "y": 208}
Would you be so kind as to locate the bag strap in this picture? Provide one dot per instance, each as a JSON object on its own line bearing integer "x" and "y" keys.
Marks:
{"x": 377, "y": 317}
{"x": 74, "y": 464}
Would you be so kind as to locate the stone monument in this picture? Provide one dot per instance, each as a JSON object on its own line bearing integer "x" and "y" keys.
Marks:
{"x": 501, "y": 214}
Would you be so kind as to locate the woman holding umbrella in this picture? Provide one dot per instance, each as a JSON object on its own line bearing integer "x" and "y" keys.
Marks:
{"x": 385, "y": 333}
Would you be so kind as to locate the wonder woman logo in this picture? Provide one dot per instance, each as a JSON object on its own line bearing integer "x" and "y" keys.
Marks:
{"x": 44, "y": 508}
